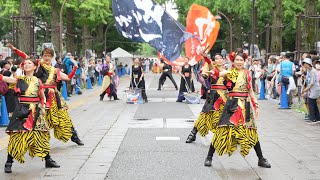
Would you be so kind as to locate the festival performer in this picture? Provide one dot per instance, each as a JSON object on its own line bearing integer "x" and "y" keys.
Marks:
{"x": 237, "y": 123}
{"x": 56, "y": 108}
{"x": 212, "y": 109}
{"x": 137, "y": 78}
{"x": 28, "y": 128}
{"x": 186, "y": 80}
{"x": 108, "y": 84}
{"x": 166, "y": 72}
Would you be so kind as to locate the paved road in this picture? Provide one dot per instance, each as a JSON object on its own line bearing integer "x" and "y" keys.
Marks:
{"x": 148, "y": 142}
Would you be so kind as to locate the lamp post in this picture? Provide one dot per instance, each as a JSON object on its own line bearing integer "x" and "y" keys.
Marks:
{"x": 61, "y": 12}
{"x": 105, "y": 37}
{"x": 230, "y": 27}
{"x": 253, "y": 31}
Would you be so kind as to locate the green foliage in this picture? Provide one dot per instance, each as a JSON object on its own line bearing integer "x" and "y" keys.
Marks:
{"x": 239, "y": 12}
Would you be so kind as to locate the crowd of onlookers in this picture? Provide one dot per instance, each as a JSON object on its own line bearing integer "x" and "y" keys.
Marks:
{"x": 298, "y": 78}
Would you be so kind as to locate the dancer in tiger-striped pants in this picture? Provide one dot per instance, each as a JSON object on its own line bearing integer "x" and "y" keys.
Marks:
{"x": 237, "y": 122}
{"x": 216, "y": 97}
{"x": 57, "y": 115}
{"x": 28, "y": 129}
{"x": 212, "y": 109}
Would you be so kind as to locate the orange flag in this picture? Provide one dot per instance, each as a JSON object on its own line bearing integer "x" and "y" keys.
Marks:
{"x": 202, "y": 24}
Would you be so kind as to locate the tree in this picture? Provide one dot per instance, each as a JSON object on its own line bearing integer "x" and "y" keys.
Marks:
{"x": 309, "y": 25}
{"x": 55, "y": 28}
{"x": 70, "y": 45}
{"x": 276, "y": 32}
{"x": 24, "y": 29}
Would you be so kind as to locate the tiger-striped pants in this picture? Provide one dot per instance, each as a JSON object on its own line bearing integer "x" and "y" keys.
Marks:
{"x": 37, "y": 142}
{"x": 60, "y": 121}
{"x": 208, "y": 121}
{"x": 226, "y": 139}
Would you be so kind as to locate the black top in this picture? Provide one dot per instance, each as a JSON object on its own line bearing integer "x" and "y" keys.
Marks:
{"x": 186, "y": 70}
{"x": 167, "y": 66}
{"x": 136, "y": 72}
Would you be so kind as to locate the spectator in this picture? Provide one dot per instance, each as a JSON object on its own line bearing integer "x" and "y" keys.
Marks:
{"x": 10, "y": 61}
{"x": 1, "y": 57}
{"x": 269, "y": 73}
{"x": 62, "y": 68}
{"x": 98, "y": 68}
{"x": 78, "y": 76}
{"x": 275, "y": 80}
{"x": 147, "y": 63}
{"x": 312, "y": 90}
{"x": 19, "y": 71}
{"x": 69, "y": 65}
{"x": 257, "y": 71}
{"x": 84, "y": 74}
{"x": 91, "y": 69}
{"x": 314, "y": 59}
{"x": 287, "y": 70}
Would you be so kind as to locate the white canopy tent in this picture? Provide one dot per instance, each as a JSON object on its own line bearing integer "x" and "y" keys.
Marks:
{"x": 121, "y": 56}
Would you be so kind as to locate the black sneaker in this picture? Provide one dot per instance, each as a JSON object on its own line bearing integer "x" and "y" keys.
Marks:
{"x": 208, "y": 161}
{"x": 263, "y": 162}
{"x": 50, "y": 163}
{"x": 77, "y": 141}
{"x": 7, "y": 168}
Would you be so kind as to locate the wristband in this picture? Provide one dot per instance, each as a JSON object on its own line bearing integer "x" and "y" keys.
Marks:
{"x": 1, "y": 77}
{"x": 72, "y": 72}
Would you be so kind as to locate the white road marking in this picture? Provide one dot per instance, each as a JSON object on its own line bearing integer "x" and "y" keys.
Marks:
{"x": 168, "y": 138}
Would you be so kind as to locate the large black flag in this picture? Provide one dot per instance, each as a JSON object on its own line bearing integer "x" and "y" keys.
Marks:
{"x": 146, "y": 21}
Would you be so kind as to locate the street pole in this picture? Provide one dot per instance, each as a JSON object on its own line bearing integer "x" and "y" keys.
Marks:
{"x": 230, "y": 27}
{"x": 298, "y": 35}
{"x": 253, "y": 25}
{"x": 61, "y": 13}
{"x": 267, "y": 38}
{"x": 105, "y": 37}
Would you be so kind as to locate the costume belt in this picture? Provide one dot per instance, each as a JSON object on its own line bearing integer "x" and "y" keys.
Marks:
{"x": 238, "y": 94}
{"x": 223, "y": 87}
{"x": 49, "y": 86}
{"x": 29, "y": 99}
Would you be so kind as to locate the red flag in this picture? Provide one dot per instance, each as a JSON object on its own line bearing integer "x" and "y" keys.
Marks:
{"x": 202, "y": 24}
{"x": 177, "y": 62}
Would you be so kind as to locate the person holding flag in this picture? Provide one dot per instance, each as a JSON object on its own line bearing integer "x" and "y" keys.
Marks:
{"x": 166, "y": 72}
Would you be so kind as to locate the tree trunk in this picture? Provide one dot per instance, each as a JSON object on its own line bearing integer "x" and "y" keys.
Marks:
{"x": 71, "y": 46}
{"x": 276, "y": 32}
{"x": 86, "y": 38}
{"x": 99, "y": 43}
{"x": 25, "y": 31}
{"x": 55, "y": 28}
{"x": 308, "y": 37}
